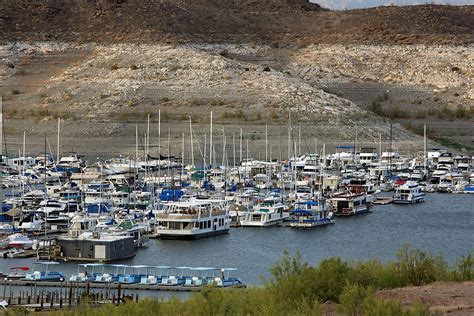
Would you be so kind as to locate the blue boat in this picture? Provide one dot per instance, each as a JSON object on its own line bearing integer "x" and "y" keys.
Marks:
{"x": 46, "y": 275}
{"x": 107, "y": 277}
{"x": 228, "y": 278}
{"x": 311, "y": 213}
{"x": 86, "y": 276}
{"x": 135, "y": 276}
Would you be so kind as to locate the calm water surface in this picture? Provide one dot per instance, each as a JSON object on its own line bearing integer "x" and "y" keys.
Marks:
{"x": 444, "y": 225}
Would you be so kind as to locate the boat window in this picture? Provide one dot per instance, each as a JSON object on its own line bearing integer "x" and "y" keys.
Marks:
{"x": 200, "y": 225}
{"x": 122, "y": 246}
{"x": 209, "y": 224}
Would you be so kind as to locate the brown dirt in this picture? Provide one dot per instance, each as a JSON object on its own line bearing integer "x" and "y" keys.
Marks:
{"x": 447, "y": 298}
{"x": 270, "y": 21}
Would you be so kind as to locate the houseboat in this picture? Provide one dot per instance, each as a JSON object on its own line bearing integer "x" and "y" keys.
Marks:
{"x": 409, "y": 193}
{"x": 192, "y": 219}
{"x": 267, "y": 213}
{"x": 307, "y": 214}
{"x": 347, "y": 204}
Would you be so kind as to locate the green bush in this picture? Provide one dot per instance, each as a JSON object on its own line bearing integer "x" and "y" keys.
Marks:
{"x": 464, "y": 268}
{"x": 417, "y": 267}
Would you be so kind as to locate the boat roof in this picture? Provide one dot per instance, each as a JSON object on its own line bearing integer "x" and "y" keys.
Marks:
{"x": 46, "y": 263}
{"x": 203, "y": 269}
{"x": 163, "y": 267}
{"x": 119, "y": 265}
{"x": 140, "y": 266}
{"x": 91, "y": 264}
{"x": 229, "y": 269}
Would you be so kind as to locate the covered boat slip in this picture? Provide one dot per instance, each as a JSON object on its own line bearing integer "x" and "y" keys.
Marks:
{"x": 137, "y": 277}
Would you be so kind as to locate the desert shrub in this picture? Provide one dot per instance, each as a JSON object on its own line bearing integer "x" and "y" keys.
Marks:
{"x": 376, "y": 108}
{"x": 417, "y": 267}
{"x": 15, "y": 91}
{"x": 217, "y": 102}
{"x": 114, "y": 67}
{"x": 238, "y": 114}
{"x": 421, "y": 114}
{"x": 20, "y": 72}
{"x": 164, "y": 99}
{"x": 195, "y": 102}
{"x": 353, "y": 298}
{"x": 133, "y": 67}
{"x": 464, "y": 268}
{"x": 462, "y": 112}
{"x": 274, "y": 115}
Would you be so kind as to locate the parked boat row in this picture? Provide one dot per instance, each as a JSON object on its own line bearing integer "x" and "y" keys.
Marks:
{"x": 124, "y": 274}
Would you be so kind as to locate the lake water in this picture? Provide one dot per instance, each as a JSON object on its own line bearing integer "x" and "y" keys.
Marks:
{"x": 357, "y": 4}
{"x": 443, "y": 225}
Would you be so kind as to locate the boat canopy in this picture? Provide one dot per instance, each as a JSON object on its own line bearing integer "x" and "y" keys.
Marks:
{"x": 20, "y": 268}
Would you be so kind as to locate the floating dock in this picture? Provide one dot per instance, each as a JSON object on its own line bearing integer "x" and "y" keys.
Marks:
{"x": 114, "y": 286}
{"x": 383, "y": 201}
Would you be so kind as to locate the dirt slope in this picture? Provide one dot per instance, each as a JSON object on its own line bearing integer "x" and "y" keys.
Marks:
{"x": 278, "y": 21}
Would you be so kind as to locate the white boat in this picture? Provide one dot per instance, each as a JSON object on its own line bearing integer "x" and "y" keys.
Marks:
{"x": 409, "y": 193}
{"x": 347, "y": 204}
{"x": 20, "y": 241}
{"x": 312, "y": 213}
{"x": 267, "y": 213}
{"x": 192, "y": 219}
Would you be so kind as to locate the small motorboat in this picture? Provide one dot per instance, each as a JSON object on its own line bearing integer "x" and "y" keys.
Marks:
{"x": 20, "y": 241}
{"x": 17, "y": 273}
{"x": 46, "y": 275}
{"x": 86, "y": 276}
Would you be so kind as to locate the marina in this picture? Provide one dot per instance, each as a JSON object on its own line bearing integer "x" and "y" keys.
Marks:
{"x": 153, "y": 225}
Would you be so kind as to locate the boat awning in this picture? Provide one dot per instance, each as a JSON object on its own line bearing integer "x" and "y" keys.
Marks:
{"x": 202, "y": 269}
{"x": 46, "y": 263}
{"x": 14, "y": 212}
{"x": 139, "y": 267}
{"x": 91, "y": 264}
{"x": 20, "y": 268}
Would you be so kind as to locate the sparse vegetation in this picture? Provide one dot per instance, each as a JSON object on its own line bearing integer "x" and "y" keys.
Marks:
{"x": 15, "y": 91}
{"x": 133, "y": 67}
{"x": 238, "y": 114}
{"x": 20, "y": 72}
{"x": 114, "y": 67}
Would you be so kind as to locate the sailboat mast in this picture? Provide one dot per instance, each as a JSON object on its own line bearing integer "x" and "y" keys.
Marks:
{"x": 23, "y": 162}
{"x": 191, "y": 140}
{"x": 233, "y": 146}
{"x": 266, "y": 142}
{"x": 424, "y": 148}
{"x": 59, "y": 131}
{"x": 136, "y": 143}
{"x": 241, "y": 138}
{"x": 210, "y": 143}
{"x": 148, "y": 136}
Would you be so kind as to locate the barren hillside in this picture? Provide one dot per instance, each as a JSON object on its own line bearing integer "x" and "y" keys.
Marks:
{"x": 103, "y": 66}
{"x": 270, "y": 21}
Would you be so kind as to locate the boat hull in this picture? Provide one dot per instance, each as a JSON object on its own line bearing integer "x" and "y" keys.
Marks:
{"x": 177, "y": 236}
